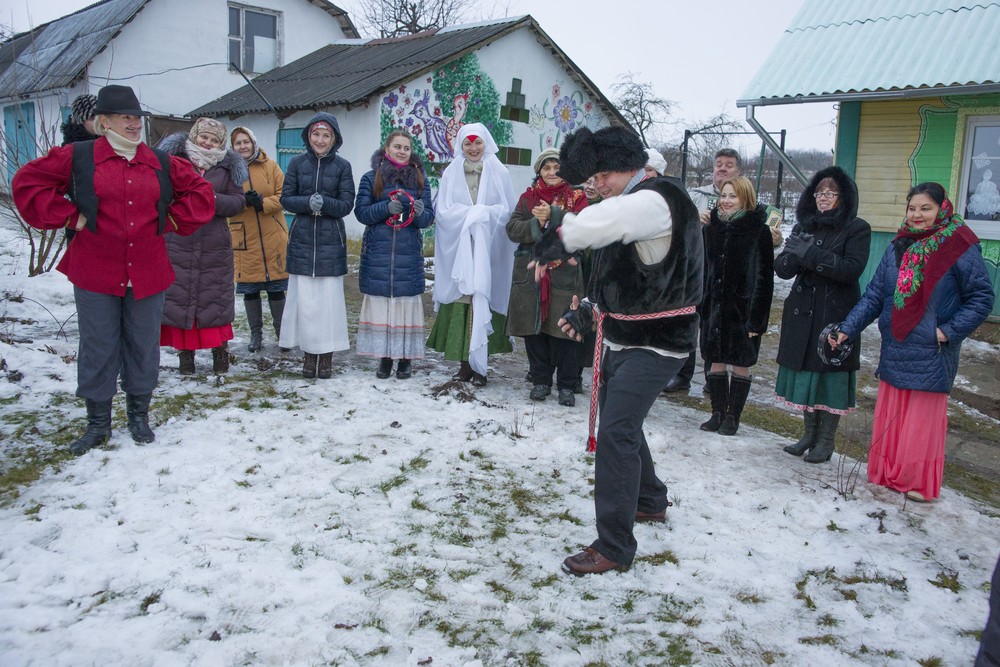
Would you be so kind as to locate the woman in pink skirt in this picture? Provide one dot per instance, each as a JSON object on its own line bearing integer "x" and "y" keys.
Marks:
{"x": 930, "y": 291}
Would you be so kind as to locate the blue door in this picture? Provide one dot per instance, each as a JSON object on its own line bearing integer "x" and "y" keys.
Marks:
{"x": 19, "y": 129}
{"x": 289, "y": 145}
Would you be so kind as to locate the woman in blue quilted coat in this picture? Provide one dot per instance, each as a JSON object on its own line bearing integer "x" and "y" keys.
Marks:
{"x": 394, "y": 204}
{"x": 930, "y": 291}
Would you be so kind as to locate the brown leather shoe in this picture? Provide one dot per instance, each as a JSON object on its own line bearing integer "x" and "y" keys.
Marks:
{"x": 651, "y": 517}
{"x": 588, "y": 561}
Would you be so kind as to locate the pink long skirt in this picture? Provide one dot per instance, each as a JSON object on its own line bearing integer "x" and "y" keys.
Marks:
{"x": 907, "y": 450}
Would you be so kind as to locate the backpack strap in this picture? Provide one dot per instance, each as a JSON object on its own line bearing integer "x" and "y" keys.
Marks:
{"x": 81, "y": 184}
{"x": 166, "y": 189}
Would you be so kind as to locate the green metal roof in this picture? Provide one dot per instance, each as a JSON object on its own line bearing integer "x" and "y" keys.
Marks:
{"x": 856, "y": 49}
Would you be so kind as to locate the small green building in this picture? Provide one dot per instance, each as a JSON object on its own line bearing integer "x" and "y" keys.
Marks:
{"x": 917, "y": 88}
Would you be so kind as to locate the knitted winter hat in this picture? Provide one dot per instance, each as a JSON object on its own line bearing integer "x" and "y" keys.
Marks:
{"x": 550, "y": 154}
{"x": 655, "y": 160}
{"x": 208, "y": 126}
{"x": 83, "y": 108}
{"x": 585, "y": 153}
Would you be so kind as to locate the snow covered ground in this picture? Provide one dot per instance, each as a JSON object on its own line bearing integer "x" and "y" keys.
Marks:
{"x": 355, "y": 521}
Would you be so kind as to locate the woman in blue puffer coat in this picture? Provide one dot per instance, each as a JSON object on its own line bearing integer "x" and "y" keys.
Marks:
{"x": 391, "y": 325}
{"x": 930, "y": 291}
{"x": 319, "y": 190}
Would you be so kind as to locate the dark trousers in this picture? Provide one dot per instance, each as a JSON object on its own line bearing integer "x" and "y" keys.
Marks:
{"x": 119, "y": 335}
{"x": 625, "y": 479}
{"x": 547, "y": 354}
{"x": 989, "y": 644}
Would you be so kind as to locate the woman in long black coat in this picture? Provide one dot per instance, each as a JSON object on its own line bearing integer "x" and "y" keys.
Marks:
{"x": 739, "y": 281}
{"x": 826, "y": 254}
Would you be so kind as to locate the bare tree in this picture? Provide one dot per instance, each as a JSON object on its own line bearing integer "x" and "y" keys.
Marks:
{"x": 707, "y": 138}
{"x": 645, "y": 111}
{"x": 395, "y": 18}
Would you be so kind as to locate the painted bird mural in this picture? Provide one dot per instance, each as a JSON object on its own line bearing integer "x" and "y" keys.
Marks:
{"x": 458, "y": 105}
{"x": 435, "y": 129}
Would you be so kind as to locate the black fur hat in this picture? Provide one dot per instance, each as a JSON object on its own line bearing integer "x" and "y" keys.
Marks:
{"x": 585, "y": 153}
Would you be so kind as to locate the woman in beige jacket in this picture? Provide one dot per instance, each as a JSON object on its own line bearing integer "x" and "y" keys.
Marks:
{"x": 260, "y": 237}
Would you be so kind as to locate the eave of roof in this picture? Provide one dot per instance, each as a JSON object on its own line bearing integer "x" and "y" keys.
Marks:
{"x": 858, "y": 49}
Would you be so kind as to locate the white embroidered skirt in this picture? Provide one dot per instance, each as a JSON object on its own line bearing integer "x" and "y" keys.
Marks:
{"x": 315, "y": 317}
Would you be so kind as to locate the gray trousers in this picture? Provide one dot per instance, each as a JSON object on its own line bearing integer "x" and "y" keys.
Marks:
{"x": 119, "y": 335}
{"x": 624, "y": 477}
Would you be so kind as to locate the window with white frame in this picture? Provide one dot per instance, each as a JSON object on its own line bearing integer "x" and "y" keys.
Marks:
{"x": 253, "y": 38}
{"x": 979, "y": 194}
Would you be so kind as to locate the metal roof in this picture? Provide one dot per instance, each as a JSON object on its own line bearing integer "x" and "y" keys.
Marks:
{"x": 56, "y": 54}
{"x": 349, "y": 72}
{"x": 856, "y": 49}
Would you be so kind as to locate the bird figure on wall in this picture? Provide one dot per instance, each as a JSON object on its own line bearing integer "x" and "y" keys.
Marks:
{"x": 435, "y": 129}
{"x": 459, "y": 105}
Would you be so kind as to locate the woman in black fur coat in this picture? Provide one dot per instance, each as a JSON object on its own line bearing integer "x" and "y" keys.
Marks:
{"x": 826, "y": 254}
{"x": 739, "y": 281}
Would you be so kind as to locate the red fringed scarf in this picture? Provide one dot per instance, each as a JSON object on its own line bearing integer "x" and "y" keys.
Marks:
{"x": 565, "y": 197}
{"x": 924, "y": 263}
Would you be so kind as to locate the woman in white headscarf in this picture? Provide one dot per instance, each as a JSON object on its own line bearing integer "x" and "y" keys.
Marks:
{"x": 473, "y": 257}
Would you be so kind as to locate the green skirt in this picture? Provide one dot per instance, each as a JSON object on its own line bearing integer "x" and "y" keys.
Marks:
{"x": 452, "y": 329}
{"x": 808, "y": 390}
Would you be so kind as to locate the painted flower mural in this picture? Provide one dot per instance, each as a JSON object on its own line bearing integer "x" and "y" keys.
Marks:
{"x": 565, "y": 114}
{"x": 561, "y": 114}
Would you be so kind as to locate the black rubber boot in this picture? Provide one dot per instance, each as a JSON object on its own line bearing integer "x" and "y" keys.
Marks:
{"x": 384, "y": 368}
{"x": 255, "y": 320}
{"x": 309, "y": 365}
{"x": 718, "y": 391}
{"x": 220, "y": 359}
{"x": 808, "y": 438}
{"x": 739, "y": 389}
{"x": 137, "y": 411}
{"x": 186, "y": 362}
{"x": 464, "y": 373}
{"x": 277, "y": 310}
{"x": 324, "y": 368}
{"x": 404, "y": 370}
{"x": 98, "y": 427}
{"x": 825, "y": 432}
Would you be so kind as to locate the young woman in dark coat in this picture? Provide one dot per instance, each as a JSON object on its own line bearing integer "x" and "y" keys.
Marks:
{"x": 739, "y": 281}
{"x": 391, "y": 323}
{"x": 825, "y": 254}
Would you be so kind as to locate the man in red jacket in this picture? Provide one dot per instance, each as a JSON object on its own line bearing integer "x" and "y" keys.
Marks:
{"x": 116, "y": 259}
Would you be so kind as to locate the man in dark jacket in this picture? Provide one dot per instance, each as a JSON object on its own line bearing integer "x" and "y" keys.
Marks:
{"x": 646, "y": 282}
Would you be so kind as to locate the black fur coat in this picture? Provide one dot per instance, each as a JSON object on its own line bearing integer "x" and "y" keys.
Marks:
{"x": 739, "y": 282}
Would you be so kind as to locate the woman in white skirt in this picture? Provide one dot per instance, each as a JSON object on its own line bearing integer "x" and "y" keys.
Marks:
{"x": 394, "y": 204}
{"x": 319, "y": 190}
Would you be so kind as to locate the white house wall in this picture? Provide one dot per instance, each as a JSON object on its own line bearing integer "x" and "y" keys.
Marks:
{"x": 190, "y": 37}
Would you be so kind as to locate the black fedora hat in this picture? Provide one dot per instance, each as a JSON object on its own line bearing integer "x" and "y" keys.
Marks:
{"x": 118, "y": 99}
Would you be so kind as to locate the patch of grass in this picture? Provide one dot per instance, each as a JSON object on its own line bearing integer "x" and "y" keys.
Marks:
{"x": 376, "y": 652}
{"x": 500, "y": 590}
{"x": 666, "y": 556}
{"x": 821, "y": 640}
{"x": 587, "y": 634}
{"x": 833, "y": 527}
{"x": 750, "y": 597}
{"x": 566, "y": 516}
{"x": 546, "y": 582}
{"x": 149, "y": 601}
{"x": 828, "y": 621}
{"x": 417, "y": 504}
{"x": 933, "y": 661}
{"x": 674, "y": 610}
{"x": 392, "y": 483}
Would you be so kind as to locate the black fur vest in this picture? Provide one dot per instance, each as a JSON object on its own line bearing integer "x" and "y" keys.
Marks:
{"x": 621, "y": 283}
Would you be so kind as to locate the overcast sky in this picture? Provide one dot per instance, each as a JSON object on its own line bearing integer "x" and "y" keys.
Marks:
{"x": 701, "y": 55}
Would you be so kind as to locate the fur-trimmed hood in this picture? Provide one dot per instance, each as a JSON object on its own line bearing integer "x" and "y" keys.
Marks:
{"x": 809, "y": 217}
{"x": 405, "y": 176}
{"x": 174, "y": 144}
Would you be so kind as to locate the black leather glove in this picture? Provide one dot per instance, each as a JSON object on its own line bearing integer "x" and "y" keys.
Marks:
{"x": 798, "y": 244}
{"x": 395, "y": 207}
{"x": 418, "y": 207}
{"x": 253, "y": 199}
{"x": 581, "y": 319}
{"x": 550, "y": 247}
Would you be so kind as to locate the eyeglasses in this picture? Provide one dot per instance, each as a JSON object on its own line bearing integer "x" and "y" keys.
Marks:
{"x": 826, "y": 195}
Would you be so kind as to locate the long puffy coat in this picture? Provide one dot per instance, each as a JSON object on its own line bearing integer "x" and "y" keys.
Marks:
{"x": 260, "y": 238}
{"x": 202, "y": 293}
{"x": 739, "y": 282}
{"x": 826, "y": 278}
{"x": 524, "y": 312}
{"x": 317, "y": 243}
{"x": 392, "y": 260}
{"x": 961, "y": 300}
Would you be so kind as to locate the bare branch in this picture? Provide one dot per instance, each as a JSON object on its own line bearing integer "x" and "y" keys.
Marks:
{"x": 645, "y": 111}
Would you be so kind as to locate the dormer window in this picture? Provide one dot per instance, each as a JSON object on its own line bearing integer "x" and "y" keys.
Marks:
{"x": 253, "y": 38}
